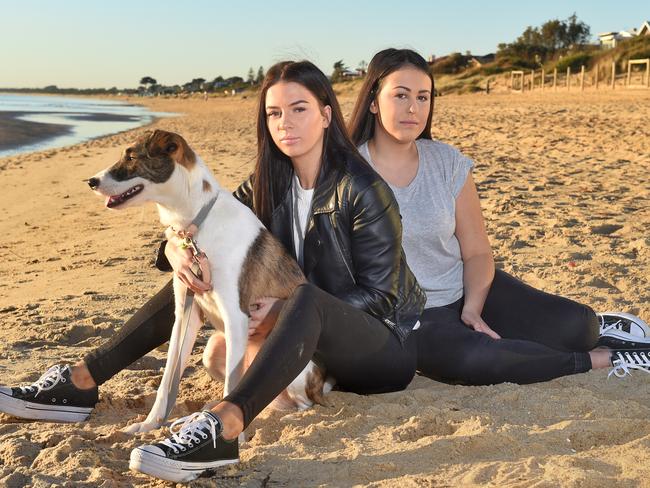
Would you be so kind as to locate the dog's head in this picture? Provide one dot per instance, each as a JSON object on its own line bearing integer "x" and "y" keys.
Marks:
{"x": 143, "y": 170}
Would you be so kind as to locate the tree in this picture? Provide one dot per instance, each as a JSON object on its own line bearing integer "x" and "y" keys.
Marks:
{"x": 149, "y": 82}
{"x": 576, "y": 32}
{"x": 339, "y": 68}
{"x": 260, "y": 75}
{"x": 537, "y": 44}
{"x": 251, "y": 76}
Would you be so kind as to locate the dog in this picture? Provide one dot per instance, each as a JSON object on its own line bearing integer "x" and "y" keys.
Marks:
{"x": 245, "y": 260}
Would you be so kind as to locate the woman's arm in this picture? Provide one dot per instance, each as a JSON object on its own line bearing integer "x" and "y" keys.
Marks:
{"x": 376, "y": 246}
{"x": 476, "y": 252}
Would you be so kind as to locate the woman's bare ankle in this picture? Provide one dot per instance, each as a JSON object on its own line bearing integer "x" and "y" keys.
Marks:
{"x": 232, "y": 419}
{"x": 81, "y": 377}
{"x": 600, "y": 358}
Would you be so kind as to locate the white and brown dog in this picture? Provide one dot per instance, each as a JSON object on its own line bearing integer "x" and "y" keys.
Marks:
{"x": 245, "y": 261}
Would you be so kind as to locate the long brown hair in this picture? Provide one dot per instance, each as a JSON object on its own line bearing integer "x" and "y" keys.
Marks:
{"x": 362, "y": 122}
{"x": 273, "y": 170}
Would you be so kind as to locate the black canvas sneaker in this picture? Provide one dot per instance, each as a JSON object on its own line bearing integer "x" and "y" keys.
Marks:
{"x": 52, "y": 397}
{"x": 619, "y": 330}
{"x": 625, "y": 361}
{"x": 195, "y": 446}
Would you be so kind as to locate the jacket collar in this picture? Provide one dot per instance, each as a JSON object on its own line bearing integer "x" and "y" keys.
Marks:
{"x": 324, "y": 200}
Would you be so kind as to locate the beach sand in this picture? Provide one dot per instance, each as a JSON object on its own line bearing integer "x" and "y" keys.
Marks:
{"x": 564, "y": 185}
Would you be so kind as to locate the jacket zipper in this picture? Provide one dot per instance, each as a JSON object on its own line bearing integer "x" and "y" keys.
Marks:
{"x": 338, "y": 246}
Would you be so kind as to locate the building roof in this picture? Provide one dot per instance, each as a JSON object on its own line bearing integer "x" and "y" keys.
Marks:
{"x": 644, "y": 29}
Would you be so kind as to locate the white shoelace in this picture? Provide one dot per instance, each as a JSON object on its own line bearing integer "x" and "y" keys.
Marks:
{"x": 625, "y": 361}
{"x": 191, "y": 427}
{"x": 47, "y": 381}
{"x": 618, "y": 325}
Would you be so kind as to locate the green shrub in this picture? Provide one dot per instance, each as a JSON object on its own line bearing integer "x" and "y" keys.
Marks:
{"x": 451, "y": 64}
{"x": 574, "y": 61}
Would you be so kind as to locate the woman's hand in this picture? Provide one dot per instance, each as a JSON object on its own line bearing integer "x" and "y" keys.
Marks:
{"x": 262, "y": 315}
{"x": 181, "y": 261}
{"x": 473, "y": 319}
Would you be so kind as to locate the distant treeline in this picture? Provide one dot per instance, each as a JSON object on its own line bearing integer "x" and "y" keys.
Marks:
{"x": 53, "y": 89}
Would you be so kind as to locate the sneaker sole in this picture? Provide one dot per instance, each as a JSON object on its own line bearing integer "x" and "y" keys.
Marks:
{"x": 38, "y": 411}
{"x": 170, "y": 469}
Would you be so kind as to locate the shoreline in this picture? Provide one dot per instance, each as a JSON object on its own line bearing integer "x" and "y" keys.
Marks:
{"x": 25, "y": 131}
{"x": 16, "y": 133}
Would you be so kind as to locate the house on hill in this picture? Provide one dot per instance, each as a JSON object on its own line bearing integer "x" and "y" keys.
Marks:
{"x": 611, "y": 39}
{"x": 481, "y": 60}
{"x": 644, "y": 30}
{"x": 351, "y": 74}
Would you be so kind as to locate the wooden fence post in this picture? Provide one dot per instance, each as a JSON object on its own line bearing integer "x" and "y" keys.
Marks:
{"x": 568, "y": 78}
{"x": 543, "y": 78}
{"x": 532, "y": 80}
{"x": 629, "y": 74}
{"x": 555, "y": 79}
{"x": 613, "y": 75}
{"x": 582, "y": 78}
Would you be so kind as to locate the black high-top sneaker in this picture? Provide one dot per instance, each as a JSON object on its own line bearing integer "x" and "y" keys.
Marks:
{"x": 52, "y": 397}
{"x": 195, "y": 447}
{"x": 625, "y": 361}
{"x": 619, "y": 330}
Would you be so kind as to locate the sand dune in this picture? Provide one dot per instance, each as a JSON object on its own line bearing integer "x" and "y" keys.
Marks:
{"x": 565, "y": 186}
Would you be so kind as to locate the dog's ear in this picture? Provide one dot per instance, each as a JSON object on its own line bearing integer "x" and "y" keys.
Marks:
{"x": 171, "y": 144}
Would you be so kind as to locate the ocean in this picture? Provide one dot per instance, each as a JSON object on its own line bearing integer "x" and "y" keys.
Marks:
{"x": 34, "y": 123}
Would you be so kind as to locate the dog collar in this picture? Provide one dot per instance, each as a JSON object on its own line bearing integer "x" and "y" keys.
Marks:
{"x": 203, "y": 213}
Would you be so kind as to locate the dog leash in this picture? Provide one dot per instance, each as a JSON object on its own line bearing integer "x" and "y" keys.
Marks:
{"x": 188, "y": 243}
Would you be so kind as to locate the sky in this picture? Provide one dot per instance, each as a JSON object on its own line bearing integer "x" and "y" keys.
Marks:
{"x": 93, "y": 44}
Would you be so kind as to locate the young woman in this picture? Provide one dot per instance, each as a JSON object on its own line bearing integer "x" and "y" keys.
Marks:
{"x": 481, "y": 325}
{"x": 320, "y": 198}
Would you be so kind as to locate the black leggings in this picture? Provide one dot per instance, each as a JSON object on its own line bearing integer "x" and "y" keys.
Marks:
{"x": 544, "y": 337}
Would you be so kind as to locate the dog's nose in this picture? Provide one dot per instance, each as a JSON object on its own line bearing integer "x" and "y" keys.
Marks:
{"x": 93, "y": 183}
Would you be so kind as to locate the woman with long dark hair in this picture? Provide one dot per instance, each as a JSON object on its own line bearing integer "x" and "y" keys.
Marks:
{"x": 331, "y": 210}
{"x": 481, "y": 325}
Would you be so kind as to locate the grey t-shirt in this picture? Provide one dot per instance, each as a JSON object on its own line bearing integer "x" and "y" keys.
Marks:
{"x": 428, "y": 209}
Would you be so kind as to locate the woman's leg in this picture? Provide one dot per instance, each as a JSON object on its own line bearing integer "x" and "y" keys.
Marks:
{"x": 450, "y": 351}
{"x": 147, "y": 329}
{"x": 355, "y": 348}
{"x": 519, "y": 311}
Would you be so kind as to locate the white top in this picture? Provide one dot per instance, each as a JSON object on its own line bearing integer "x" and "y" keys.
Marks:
{"x": 428, "y": 209}
{"x": 301, "y": 208}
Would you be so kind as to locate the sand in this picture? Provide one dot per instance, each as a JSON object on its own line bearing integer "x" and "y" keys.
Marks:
{"x": 564, "y": 185}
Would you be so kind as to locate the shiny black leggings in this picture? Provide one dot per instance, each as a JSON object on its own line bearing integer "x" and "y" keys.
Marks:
{"x": 543, "y": 337}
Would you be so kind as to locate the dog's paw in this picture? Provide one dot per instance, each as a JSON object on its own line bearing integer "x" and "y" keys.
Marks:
{"x": 140, "y": 427}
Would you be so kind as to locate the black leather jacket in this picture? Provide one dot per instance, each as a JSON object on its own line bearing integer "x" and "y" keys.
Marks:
{"x": 352, "y": 247}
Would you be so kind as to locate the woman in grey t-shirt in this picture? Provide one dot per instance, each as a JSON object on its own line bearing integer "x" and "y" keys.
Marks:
{"x": 481, "y": 325}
